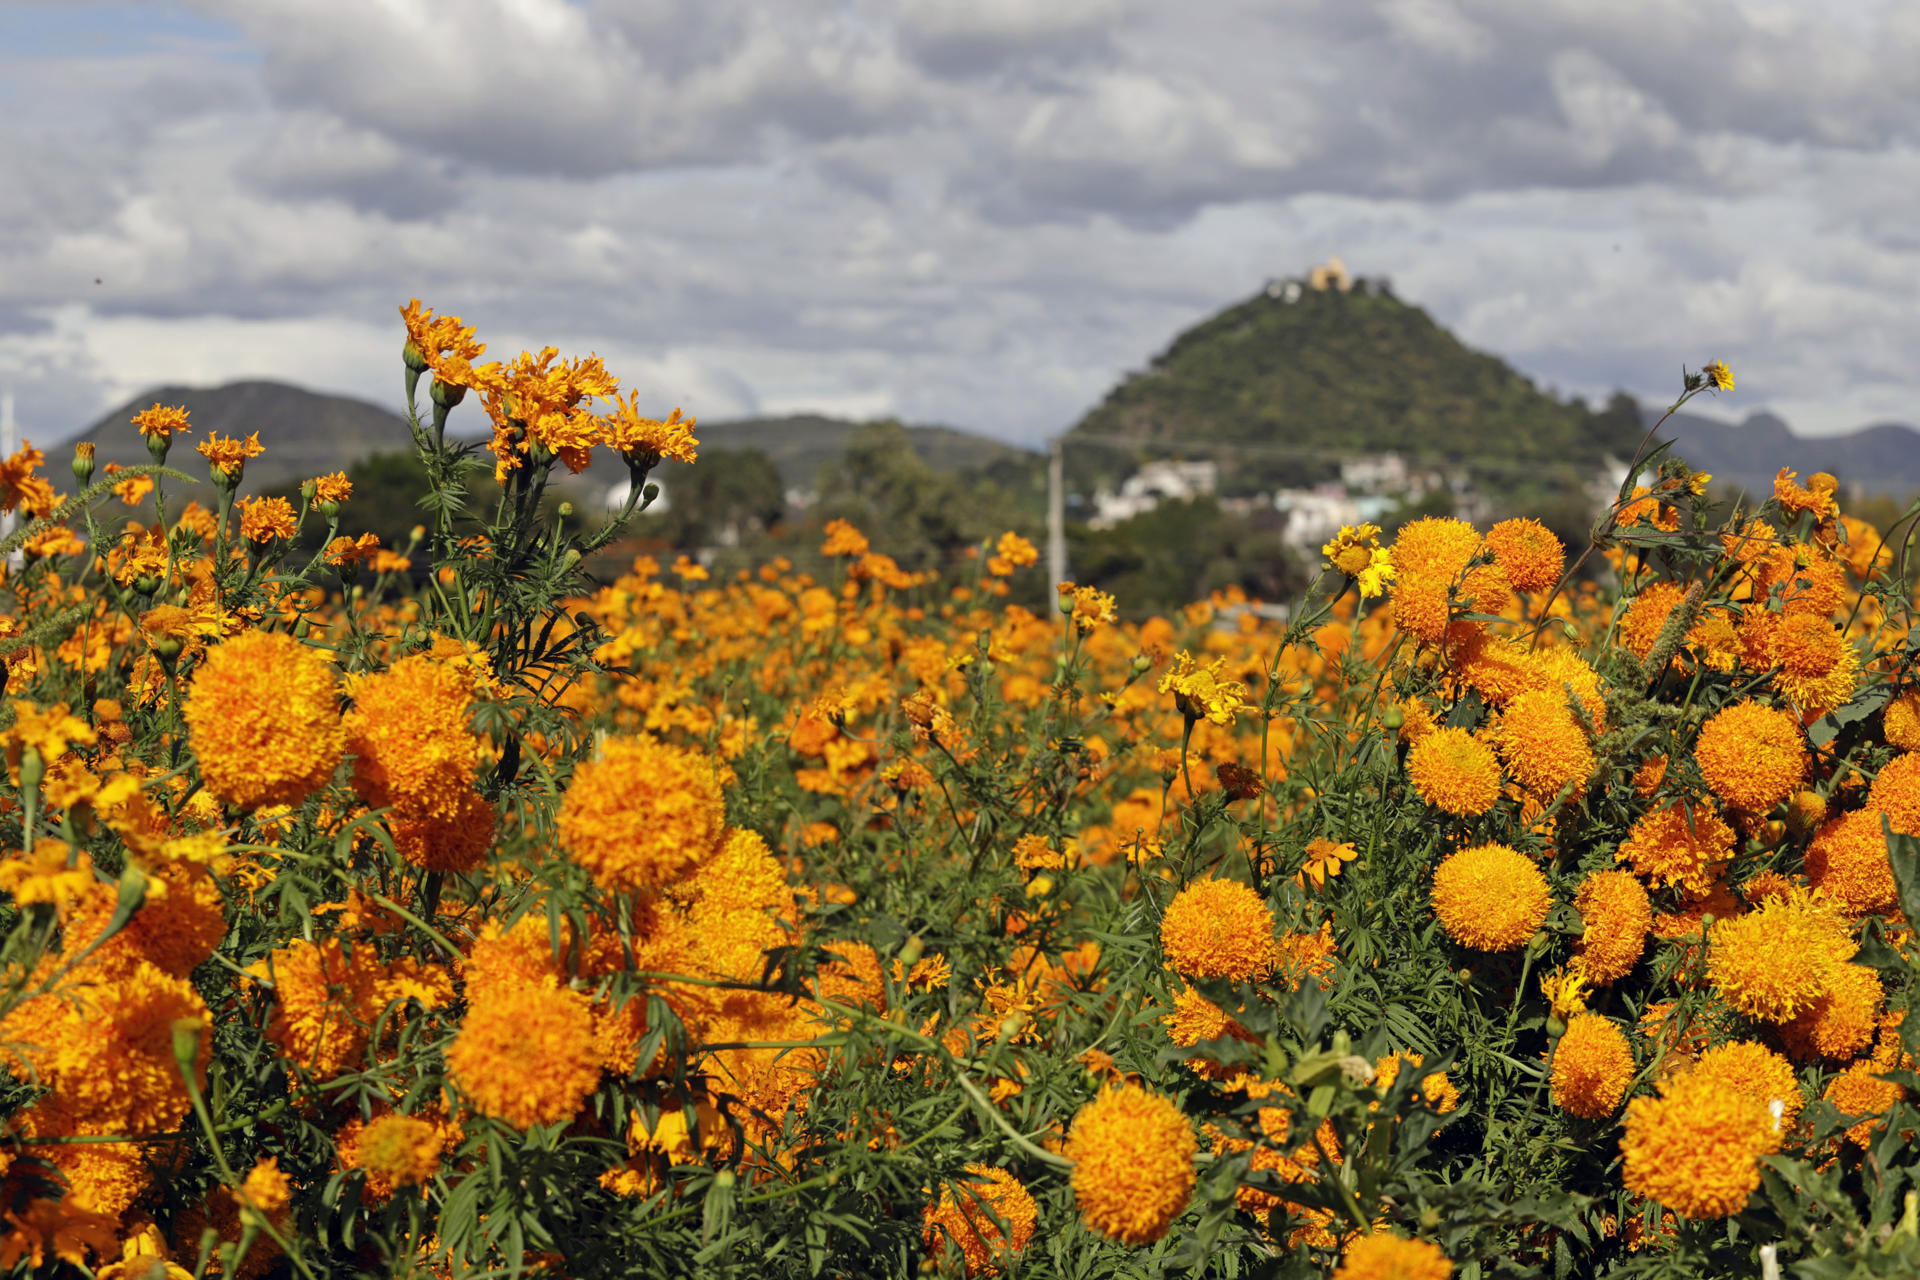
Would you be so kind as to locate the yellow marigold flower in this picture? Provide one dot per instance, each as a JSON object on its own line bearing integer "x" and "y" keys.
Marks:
{"x": 1902, "y": 720}
{"x": 1324, "y": 858}
{"x": 1454, "y": 771}
{"x": 1373, "y": 579}
{"x": 1751, "y": 755}
{"x": 1617, "y": 913}
{"x": 1680, "y": 844}
{"x": 642, "y": 814}
{"x": 1859, "y": 1091}
{"x": 1749, "y": 1067}
{"x": 1351, "y": 550}
{"x": 47, "y": 730}
{"x": 263, "y": 519}
{"x": 526, "y": 1054}
{"x": 633, "y": 435}
{"x": 971, "y": 1219}
{"x": 228, "y": 455}
{"x": 1848, "y": 862}
{"x": 1592, "y": 1067}
{"x": 1385, "y": 1256}
{"x": 1490, "y": 897}
{"x": 1092, "y": 607}
{"x": 266, "y": 1189}
{"x": 1695, "y": 1149}
{"x": 162, "y": 420}
{"x": 1841, "y": 1024}
{"x": 843, "y": 540}
{"x": 403, "y": 1151}
{"x": 1718, "y": 376}
{"x": 1566, "y": 989}
{"x": 1219, "y": 929}
{"x": 44, "y": 877}
{"x": 1895, "y": 792}
{"x": 1440, "y": 1093}
{"x": 1529, "y": 553}
{"x": 1036, "y": 853}
{"x": 1543, "y": 746}
{"x": 1780, "y": 957}
{"x": 1132, "y": 1154}
{"x": 263, "y": 720}
{"x": 333, "y": 487}
{"x": 412, "y": 744}
{"x": 1204, "y": 693}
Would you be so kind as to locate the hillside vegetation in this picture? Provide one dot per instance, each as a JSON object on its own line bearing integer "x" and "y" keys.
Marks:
{"x": 1280, "y": 390}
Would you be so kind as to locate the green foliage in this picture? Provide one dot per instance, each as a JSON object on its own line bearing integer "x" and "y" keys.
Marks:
{"x": 1165, "y": 558}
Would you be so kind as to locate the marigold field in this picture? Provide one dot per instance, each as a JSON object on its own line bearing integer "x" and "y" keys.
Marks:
{"x": 440, "y": 910}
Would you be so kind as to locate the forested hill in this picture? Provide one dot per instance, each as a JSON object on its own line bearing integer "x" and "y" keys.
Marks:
{"x": 1283, "y": 385}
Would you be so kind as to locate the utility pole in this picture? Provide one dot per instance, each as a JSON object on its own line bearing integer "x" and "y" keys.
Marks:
{"x": 1056, "y": 514}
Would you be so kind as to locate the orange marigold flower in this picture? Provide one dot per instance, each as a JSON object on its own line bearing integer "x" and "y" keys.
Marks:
{"x": 1695, "y": 1149}
{"x": 1681, "y": 844}
{"x": 1219, "y": 929}
{"x": 1848, "y": 862}
{"x": 1749, "y": 1067}
{"x": 1454, "y": 771}
{"x": 400, "y": 1151}
{"x": 1617, "y": 914}
{"x": 324, "y": 1002}
{"x": 1529, "y": 553}
{"x": 1860, "y": 1091}
{"x": 1818, "y": 669}
{"x": 228, "y": 455}
{"x": 1780, "y": 957}
{"x": 1896, "y": 792}
{"x": 266, "y": 1189}
{"x": 1420, "y": 607}
{"x": 1132, "y": 1154}
{"x": 43, "y": 878}
{"x": 1751, "y": 755}
{"x": 526, "y": 1054}
{"x": 634, "y": 435}
{"x": 1196, "y": 1019}
{"x": 433, "y": 340}
{"x": 642, "y": 814}
{"x": 162, "y": 420}
{"x": 457, "y": 841}
{"x": 1841, "y": 1024}
{"x": 1815, "y": 498}
{"x": 263, "y": 720}
{"x": 1011, "y": 552}
{"x": 1091, "y": 608}
{"x": 263, "y": 519}
{"x": 334, "y": 488}
{"x": 412, "y": 745}
{"x": 1544, "y": 747}
{"x": 349, "y": 554}
{"x": 1437, "y": 547}
{"x": 988, "y": 1218}
{"x": 1490, "y": 897}
{"x": 1324, "y": 858}
{"x": 1592, "y": 1067}
{"x": 843, "y": 540}
{"x": 1902, "y": 720}
{"x": 1385, "y": 1256}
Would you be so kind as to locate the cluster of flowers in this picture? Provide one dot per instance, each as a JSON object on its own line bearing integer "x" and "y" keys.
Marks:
{"x": 381, "y": 927}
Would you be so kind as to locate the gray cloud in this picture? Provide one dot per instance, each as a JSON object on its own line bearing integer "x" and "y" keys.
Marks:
{"x": 976, "y": 211}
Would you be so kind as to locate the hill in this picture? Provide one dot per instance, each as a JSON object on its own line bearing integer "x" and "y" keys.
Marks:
{"x": 305, "y": 433}
{"x": 1880, "y": 459}
{"x": 1281, "y": 386}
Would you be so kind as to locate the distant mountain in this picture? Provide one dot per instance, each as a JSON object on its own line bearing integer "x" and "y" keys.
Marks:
{"x": 1880, "y": 459}
{"x": 309, "y": 433}
{"x": 800, "y": 443}
{"x": 305, "y": 433}
{"x": 1282, "y": 386}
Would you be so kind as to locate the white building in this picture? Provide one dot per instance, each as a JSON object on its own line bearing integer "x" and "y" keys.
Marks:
{"x": 1161, "y": 480}
{"x": 1315, "y": 515}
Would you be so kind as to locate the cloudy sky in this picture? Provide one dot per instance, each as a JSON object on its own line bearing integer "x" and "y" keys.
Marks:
{"x": 980, "y": 212}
